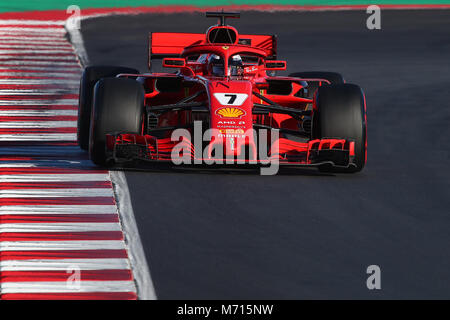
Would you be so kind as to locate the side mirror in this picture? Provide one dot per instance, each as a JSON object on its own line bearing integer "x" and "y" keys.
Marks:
{"x": 174, "y": 62}
{"x": 275, "y": 65}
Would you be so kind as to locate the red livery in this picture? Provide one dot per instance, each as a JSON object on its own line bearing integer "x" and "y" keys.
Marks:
{"x": 223, "y": 104}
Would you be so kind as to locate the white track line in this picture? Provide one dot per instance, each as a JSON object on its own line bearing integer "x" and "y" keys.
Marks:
{"x": 48, "y": 58}
{"x": 39, "y": 137}
{"x": 14, "y": 71}
{"x": 8, "y": 35}
{"x": 41, "y": 82}
{"x": 40, "y": 51}
{"x": 22, "y": 75}
{"x": 32, "y": 22}
{"x": 58, "y": 30}
{"x": 13, "y": 46}
{"x": 45, "y": 193}
{"x": 33, "y": 32}
{"x": 47, "y": 163}
{"x": 42, "y": 102}
{"x": 69, "y": 151}
{"x": 58, "y": 227}
{"x": 63, "y": 287}
{"x": 67, "y": 177}
{"x": 62, "y": 245}
{"x": 136, "y": 254}
{"x": 38, "y": 112}
{"x": 77, "y": 42}
{"x": 37, "y": 92}
{"x": 51, "y": 264}
{"x": 33, "y": 48}
{"x": 58, "y": 209}
{"x": 34, "y": 68}
{"x": 32, "y": 39}
{"x": 48, "y": 64}
{"x": 38, "y": 124}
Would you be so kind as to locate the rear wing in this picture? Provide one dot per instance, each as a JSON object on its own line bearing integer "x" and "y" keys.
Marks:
{"x": 171, "y": 44}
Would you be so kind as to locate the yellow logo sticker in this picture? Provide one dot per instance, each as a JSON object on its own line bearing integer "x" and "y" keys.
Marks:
{"x": 230, "y": 112}
{"x": 225, "y": 47}
{"x": 232, "y": 131}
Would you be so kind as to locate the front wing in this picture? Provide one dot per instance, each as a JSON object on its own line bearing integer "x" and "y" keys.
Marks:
{"x": 125, "y": 147}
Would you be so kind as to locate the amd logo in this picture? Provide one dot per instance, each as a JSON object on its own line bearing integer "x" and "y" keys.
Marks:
{"x": 231, "y": 122}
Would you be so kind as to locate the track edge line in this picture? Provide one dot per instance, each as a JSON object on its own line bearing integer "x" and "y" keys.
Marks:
{"x": 139, "y": 265}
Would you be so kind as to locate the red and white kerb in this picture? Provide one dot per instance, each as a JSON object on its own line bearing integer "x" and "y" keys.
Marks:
{"x": 60, "y": 234}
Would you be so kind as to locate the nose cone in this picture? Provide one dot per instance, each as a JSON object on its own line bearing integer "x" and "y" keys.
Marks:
{"x": 231, "y": 105}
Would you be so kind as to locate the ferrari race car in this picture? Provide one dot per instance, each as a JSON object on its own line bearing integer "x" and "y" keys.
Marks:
{"x": 222, "y": 105}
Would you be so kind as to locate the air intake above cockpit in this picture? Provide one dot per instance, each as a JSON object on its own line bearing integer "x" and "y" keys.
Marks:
{"x": 226, "y": 35}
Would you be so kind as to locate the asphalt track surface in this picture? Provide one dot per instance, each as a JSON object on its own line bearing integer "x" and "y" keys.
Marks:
{"x": 300, "y": 234}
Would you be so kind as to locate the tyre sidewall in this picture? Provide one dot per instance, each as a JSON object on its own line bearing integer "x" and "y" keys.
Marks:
{"x": 118, "y": 108}
{"x": 88, "y": 80}
{"x": 341, "y": 113}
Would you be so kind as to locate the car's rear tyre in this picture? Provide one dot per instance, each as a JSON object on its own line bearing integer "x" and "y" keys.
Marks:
{"x": 118, "y": 106}
{"x": 341, "y": 113}
{"x": 333, "y": 77}
{"x": 87, "y": 82}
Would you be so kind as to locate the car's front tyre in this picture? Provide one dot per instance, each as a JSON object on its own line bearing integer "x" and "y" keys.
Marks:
{"x": 341, "y": 113}
{"x": 88, "y": 80}
{"x": 118, "y": 107}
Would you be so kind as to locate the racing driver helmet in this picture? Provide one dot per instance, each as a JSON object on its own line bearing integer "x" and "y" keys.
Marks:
{"x": 216, "y": 65}
{"x": 236, "y": 66}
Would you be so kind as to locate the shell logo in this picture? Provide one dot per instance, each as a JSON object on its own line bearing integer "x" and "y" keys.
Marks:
{"x": 229, "y": 112}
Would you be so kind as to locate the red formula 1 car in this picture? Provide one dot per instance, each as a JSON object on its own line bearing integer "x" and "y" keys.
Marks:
{"x": 222, "y": 105}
